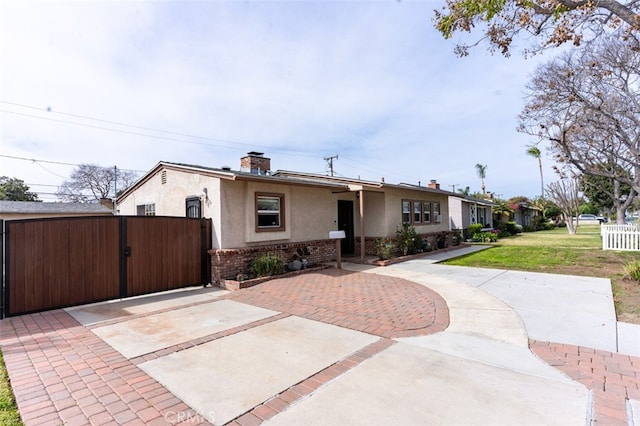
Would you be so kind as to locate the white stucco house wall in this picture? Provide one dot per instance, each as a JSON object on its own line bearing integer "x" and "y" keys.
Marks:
{"x": 465, "y": 211}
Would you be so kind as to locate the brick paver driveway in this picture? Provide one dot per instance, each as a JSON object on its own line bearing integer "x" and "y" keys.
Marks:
{"x": 375, "y": 304}
{"x": 63, "y": 373}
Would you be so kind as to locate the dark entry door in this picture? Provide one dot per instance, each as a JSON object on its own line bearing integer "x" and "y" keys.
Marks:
{"x": 345, "y": 223}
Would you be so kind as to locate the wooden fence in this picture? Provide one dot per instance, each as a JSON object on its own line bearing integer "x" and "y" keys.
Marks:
{"x": 60, "y": 262}
{"x": 620, "y": 237}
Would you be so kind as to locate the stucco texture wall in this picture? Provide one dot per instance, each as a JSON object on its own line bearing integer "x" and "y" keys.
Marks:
{"x": 309, "y": 213}
{"x": 170, "y": 197}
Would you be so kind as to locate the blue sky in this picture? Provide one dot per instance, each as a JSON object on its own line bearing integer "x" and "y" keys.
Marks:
{"x": 370, "y": 81}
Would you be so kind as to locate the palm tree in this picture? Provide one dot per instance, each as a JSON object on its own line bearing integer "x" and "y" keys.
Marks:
{"x": 482, "y": 173}
{"x": 466, "y": 191}
{"x": 535, "y": 152}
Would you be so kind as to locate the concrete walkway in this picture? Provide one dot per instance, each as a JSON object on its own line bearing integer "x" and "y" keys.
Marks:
{"x": 412, "y": 343}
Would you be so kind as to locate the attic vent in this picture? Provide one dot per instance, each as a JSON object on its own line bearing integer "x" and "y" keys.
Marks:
{"x": 163, "y": 177}
{"x": 226, "y": 168}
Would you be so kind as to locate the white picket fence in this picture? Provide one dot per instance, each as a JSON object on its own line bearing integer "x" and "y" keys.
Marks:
{"x": 620, "y": 237}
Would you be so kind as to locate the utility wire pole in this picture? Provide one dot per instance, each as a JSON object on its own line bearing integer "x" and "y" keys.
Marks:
{"x": 115, "y": 189}
{"x": 330, "y": 161}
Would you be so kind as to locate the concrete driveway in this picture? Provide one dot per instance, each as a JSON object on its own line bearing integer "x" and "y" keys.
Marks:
{"x": 414, "y": 343}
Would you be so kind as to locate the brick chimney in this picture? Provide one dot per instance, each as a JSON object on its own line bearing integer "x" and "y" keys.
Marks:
{"x": 434, "y": 184}
{"x": 255, "y": 163}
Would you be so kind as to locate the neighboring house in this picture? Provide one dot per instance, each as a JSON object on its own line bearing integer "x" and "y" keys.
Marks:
{"x": 465, "y": 211}
{"x": 255, "y": 211}
{"x": 13, "y": 210}
{"x": 522, "y": 213}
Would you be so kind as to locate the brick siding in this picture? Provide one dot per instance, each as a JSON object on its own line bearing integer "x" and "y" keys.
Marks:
{"x": 370, "y": 242}
{"x": 228, "y": 263}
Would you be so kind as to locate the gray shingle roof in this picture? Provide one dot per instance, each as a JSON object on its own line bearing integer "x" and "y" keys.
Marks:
{"x": 59, "y": 208}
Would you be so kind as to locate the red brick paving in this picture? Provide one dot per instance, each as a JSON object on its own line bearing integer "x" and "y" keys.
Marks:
{"x": 375, "y": 304}
{"x": 62, "y": 373}
{"x": 613, "y": 377}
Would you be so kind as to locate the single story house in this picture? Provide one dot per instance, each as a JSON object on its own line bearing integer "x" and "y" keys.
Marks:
{"x": 524, "y": 214}
{"x": 254, "y": 210}
{"x": 465, "y": 211}
{"x": 14, "y": 210}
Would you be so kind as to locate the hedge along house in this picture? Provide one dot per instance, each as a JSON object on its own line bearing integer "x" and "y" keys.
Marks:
{"x": 255, "y": 211}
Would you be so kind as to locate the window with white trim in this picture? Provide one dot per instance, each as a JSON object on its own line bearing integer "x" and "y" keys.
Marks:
{"x": 437, "y": 217}
{"x": 146, "y": 210}
{"x": 417, "y": 212}
{"x": 406, "y": 211}
{"x": 420, "y": 212}
{"x": 269, "y": 212}
{"x": 427, "y": 211}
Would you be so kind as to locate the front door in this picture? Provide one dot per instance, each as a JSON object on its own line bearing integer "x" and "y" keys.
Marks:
{"x": 345, "y": 223}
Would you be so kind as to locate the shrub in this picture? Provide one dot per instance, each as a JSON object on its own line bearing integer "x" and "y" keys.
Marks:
{"x": 632, "y": 270}
{"x": 538, "y": 223}
{"x": 512, "y": 228}
{"x": 485, "y": 237}
{"x": 474, "y": 229}
{"x": 408, "y": 240}
{"x": 267, "y": 264}
{"x": 384, "y": 248}
{"x": 504, "y": 234}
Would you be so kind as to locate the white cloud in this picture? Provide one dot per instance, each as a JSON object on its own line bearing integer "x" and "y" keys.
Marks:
{"x": 370, "y": 81}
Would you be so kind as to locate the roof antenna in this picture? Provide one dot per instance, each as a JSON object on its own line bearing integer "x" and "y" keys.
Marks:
{"x": 330, "y": 161}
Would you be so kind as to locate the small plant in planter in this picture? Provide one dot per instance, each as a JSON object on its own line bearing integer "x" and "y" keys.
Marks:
{"x": 384, "y": 248}
{"x": 266, "y": 265}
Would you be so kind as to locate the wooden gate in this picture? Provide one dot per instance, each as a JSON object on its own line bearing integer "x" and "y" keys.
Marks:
{"x": 60, "y": 262}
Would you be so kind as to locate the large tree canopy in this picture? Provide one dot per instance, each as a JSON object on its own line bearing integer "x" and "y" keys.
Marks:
{"x": 90, "y": 183}
{"x": 550, "y": 22}
{"x": 12, "y": 189}
{"x": 587, "y": 105}
{"x": 607, "y": 193}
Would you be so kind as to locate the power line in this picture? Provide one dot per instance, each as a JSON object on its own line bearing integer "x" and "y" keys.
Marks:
{"x": 133, "y": 126}
{"x": 33, "y": 160}
{"x": 286, "y": 150}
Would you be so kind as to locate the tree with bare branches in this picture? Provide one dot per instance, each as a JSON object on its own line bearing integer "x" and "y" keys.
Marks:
{"x": 565, "y": 193}
{"x": 90, "y": 183}
{"x": 586, "y": 103}
{"x": 547, "y": 23}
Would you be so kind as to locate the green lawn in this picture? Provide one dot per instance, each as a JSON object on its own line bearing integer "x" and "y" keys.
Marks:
{"x": 9, "y": 415}
{"x": 558, "y": 252}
